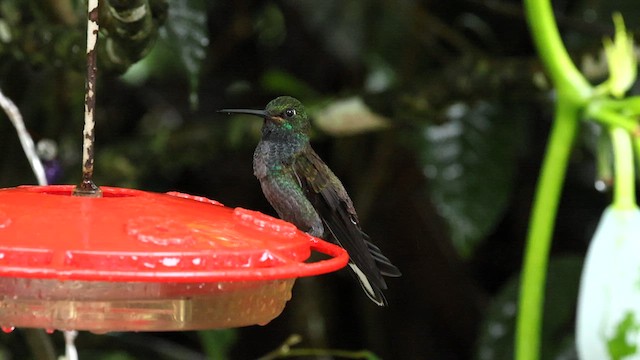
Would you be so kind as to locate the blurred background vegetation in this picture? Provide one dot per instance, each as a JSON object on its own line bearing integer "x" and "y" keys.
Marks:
{"x": 433, "y": 113}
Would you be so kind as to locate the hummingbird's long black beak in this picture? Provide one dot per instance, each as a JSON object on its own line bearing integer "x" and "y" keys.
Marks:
{"x": 260, "y": 113}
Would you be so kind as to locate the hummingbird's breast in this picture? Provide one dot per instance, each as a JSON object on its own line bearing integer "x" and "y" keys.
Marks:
{"x": 272, "y": 156}
{"x": 273, "y": 166}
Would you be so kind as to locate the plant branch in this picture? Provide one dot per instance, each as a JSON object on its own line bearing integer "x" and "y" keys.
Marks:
{"x": 624, "y": 183}
{"x": 285, "y": 351}
{"x": 606, "y": 116}
{"x": 544, "y": 30}
{"x": 574, "y": 92}
{"x": 14, "y": 115}
{"x": 541, "y": 226}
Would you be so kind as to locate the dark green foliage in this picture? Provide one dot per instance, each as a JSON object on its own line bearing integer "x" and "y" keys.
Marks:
{"x": 186, "y": 34}
{"x": 496, "y": 333}
{"x": 470, "y": 162}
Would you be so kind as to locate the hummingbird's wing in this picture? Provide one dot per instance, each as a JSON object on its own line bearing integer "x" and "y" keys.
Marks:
{"x": 328, "y": 196}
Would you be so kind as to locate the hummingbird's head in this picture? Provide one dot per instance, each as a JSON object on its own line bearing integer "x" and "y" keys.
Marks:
{"x": 283, "y": 115}
{"x": 288, "y": 114}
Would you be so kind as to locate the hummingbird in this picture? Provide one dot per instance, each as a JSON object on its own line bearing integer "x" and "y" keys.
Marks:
{"x": 305, "y": 192}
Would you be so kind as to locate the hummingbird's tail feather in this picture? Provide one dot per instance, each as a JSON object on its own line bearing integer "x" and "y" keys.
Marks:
{"x": 373, "y": 291}
{"x": 384, "y": 264}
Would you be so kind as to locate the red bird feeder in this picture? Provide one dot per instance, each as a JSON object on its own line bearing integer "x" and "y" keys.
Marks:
{"x": 139, "y": 261}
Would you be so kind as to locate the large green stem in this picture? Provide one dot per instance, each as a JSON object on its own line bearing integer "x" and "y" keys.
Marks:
{"x": 541, "y": 227}
{"x": 573, "y": 93}
{"x": 565, "y": 75}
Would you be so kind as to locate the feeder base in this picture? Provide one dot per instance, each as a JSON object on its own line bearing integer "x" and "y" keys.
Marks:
{"x": 136, "y": 306}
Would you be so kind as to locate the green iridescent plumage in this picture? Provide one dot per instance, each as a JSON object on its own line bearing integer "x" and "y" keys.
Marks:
{"x": 304, "y": 191}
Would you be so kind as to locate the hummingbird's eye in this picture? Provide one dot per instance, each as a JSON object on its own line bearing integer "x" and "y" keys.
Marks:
{"x": 290, "y": 113}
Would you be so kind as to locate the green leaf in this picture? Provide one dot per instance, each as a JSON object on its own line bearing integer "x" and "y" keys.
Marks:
{"x": 218, "y": 343}
{"x": 271, "y": 26}
{"x": 185, "y": 34}
{"x": 470, "y": 161}
{"x": 186, "y": 31}
{"x": 281, "y": 82}
{"x": 348, "y": 116}
{"x": 117, "y": 355}
{"x": 339, "y": 25}
{"x": 497, "y": 330}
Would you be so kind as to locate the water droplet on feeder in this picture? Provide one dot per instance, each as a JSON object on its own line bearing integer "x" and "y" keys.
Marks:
{"x": 159, "y": 231}
{"x": 49, "y": 331}
{"x": 262, "y": 222}
{"x": 8, "y": 329}
{"x": 169, "y": 262}
{"x": 4, "y": 220}
{"x": 201, "y": 199}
